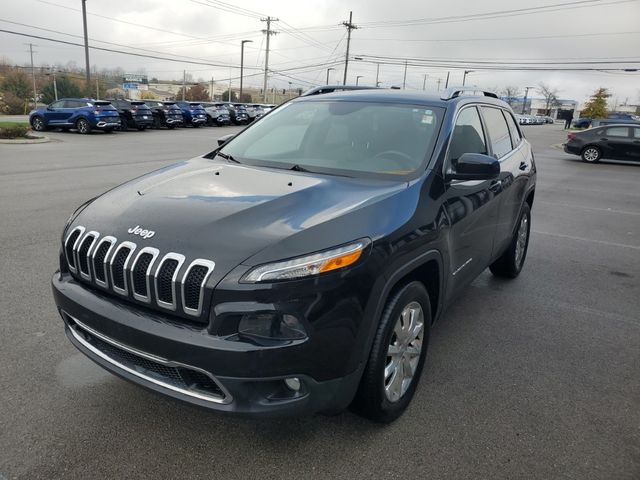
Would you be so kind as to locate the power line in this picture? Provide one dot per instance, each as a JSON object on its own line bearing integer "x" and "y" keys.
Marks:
{"x": 494, "y": 14}
{"x": 498, "y": 39}
{"x": 467, "y": 62}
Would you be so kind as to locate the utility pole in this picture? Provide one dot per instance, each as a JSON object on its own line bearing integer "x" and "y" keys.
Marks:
{"x": 33, "y": 77}
{"x": 211, "y": 91}
{"x": 446, "y": 84}
{"x": 184, "y": 83}
{"x": 377, "y": 74}
{"x": 350, "y": 26}
{"x": 97, "y": 88}
{"x": 524, "y": 102}
{"x": 242, "y": 63}
{"x": 424, "y": 82}
{"x": 86, "y": 43}
{"x": 404, "y": 80}
{"x": 268, "y": 32}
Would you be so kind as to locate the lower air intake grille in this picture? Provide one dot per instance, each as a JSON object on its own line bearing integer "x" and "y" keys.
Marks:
{"x": 180, "y": 378}
{"x": 118, "y": 267}
{"x": 140, "y": 274}
{"x": 165, "y": 280}
{"x": 193, "y": 285}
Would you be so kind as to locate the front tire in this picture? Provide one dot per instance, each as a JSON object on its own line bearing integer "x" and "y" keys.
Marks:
{"x": 510, "y": 263}
{"x": 83, "y": 126}
{"x": 38, "y": 125}
{"x": 591, "y": 154}
{"x": 397, "y": 356}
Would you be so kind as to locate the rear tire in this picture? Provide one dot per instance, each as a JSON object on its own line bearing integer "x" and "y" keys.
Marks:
{"x": 510, "y": 263}
{"x": 397, "y": 356}
{"x": 591, "y": 154}
{"x": 83, "y": 126}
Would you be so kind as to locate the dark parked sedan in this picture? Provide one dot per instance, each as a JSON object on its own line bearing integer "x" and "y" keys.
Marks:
{"x": 617, "y": 142}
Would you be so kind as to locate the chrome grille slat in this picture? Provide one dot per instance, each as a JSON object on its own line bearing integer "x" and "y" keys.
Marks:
{"x": 100, "y": 265}
{"x": 154, "y": 252}
{"x": 131, "y": 272}
{"x": 69, "y": 250}
{"x": 124, "y": 290}
{"x": 200, "y": 262}
{"x": 173, "y": 305}
{"x": 83, "y": 254}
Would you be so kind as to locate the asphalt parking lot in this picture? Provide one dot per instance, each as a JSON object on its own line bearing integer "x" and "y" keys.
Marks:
{"x": 534, "y": 378}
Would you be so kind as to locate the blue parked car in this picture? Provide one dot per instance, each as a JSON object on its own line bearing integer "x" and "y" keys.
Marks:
{"x": 193, "y": 113}
{"x": 83, "y": 114}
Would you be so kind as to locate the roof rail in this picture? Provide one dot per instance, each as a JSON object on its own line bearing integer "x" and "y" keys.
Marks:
{"x": 334, "y": 88}
{"x": 453, "y": 92}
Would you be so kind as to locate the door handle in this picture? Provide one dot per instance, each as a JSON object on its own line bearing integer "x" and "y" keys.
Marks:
{"x": 495, "y": 186}
{"x": 523, "y": 166}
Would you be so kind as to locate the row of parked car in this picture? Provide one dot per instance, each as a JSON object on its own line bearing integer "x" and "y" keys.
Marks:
{"x": 612, "y": 118}
{"x": 86, "y": 114}
{"x": 534, "y": 119}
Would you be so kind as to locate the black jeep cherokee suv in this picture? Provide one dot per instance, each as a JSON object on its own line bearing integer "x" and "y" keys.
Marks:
{"x": 133, "y": 113}
{"x": 299, "y": 266}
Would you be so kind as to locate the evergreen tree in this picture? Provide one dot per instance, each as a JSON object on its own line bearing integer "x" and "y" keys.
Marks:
{"x": 596, "y": 107}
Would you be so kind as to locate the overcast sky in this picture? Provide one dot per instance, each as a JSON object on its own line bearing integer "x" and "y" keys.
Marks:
{"x": 310, "y": 35}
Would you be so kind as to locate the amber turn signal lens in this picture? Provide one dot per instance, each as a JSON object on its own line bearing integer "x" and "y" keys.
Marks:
{"x": 341, "y": 261}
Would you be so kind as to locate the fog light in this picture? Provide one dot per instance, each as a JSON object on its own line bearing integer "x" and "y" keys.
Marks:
{"x": 293, "y": 383}
{"x": 272, "y": 325}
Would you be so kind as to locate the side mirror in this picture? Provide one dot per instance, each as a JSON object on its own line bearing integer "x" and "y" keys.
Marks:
{"x": 51, "y": 109}
{"x": 475, "y": 166}
{"x": 225, "y": 139}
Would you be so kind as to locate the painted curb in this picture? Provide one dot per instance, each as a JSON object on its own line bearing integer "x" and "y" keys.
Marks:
{"x": 18, "y": 141}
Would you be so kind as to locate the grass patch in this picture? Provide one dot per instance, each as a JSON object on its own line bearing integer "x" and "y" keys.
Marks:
{"x": 14, "y": 124}
{"x": 10, "y": 130}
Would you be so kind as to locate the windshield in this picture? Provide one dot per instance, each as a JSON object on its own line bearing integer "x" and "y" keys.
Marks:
{"x": 351, "y": 138}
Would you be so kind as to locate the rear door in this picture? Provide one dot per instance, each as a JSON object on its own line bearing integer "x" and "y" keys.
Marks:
{"x": 514, "y": 155}
{"x": 70, "y": 109}
{"x": 470, "y": 204}
{"x": 615, "y": 142}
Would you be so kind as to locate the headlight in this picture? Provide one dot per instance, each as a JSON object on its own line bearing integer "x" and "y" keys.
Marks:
{"x": 308, "y": 265}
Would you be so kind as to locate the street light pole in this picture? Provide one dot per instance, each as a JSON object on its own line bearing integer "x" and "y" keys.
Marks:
{"x": 55, "y": 86}
{"x": 524, "y": 101}
{"x": 358, "y": 78}
{"x": 424, "y": 82}
{"x": 328, "y": 70}
{"x": 242, "y": 62}
{"x": 86, "y": 43}
{"x": 377, "y": 74}
{"x": 404, "y": 80}
{"x": 464, "y": 78}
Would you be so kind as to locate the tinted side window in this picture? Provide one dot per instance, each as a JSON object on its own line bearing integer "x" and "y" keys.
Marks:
{"x": 58, "y": 104}
{"x": 513, "y": 128}
{"x": 636, "y": 132}
{"x": 468, "y": 136}
{"x": 70, "y": 104}
{"x": 617, "y": 132}
{"x": 498, "y": 131}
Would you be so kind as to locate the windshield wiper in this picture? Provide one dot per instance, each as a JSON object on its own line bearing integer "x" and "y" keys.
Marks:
{"x": 228, "y": 157}
{"x": 298, "y": 168}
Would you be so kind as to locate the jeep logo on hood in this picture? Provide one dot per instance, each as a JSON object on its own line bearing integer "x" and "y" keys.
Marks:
{"x": 143, "y": 232}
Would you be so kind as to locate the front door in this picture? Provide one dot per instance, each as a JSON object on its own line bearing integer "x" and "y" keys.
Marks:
{"x": 55, "y": 113}
{"x": 470, "y": 205}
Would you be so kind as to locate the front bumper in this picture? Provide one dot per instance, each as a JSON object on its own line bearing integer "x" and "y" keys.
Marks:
{"x": 161, "y": 354}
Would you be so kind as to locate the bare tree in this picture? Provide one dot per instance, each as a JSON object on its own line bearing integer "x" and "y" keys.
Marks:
{"x": 550, "y": 95}
{"x": 510, "y": 94}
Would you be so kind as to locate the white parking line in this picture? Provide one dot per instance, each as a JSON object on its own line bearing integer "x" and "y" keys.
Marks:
{"x": 582, "y": 239}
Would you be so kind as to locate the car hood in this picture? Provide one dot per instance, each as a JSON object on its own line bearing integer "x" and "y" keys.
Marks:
{"x": 227, "y": 213}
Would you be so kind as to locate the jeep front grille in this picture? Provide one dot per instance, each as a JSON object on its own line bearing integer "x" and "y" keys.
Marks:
{"x": 138, "y": 274}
